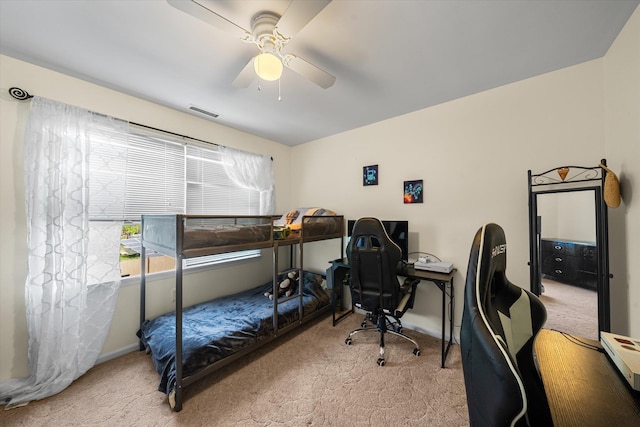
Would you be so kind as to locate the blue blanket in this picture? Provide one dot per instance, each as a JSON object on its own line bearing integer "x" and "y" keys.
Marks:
{"x": 218, "y": 328}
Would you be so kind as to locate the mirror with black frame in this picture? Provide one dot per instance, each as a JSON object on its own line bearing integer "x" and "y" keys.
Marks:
{"x": 568, "y": 245}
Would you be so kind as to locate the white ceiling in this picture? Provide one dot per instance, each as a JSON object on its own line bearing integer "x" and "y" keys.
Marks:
{"x": 388, "y": 57}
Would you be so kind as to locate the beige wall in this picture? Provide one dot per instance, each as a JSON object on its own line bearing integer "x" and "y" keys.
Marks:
{"x": 622, "y": 136}
{"x": 473, "y": 155}
{"x": 13, "y": 268}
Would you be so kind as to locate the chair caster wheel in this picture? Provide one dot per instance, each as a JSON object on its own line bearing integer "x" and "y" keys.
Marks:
{"x": 416, "y": 351}
{"x": 363, "y": 324}
{"x": 381, "y": 362}
{"x": 348, "y": 341}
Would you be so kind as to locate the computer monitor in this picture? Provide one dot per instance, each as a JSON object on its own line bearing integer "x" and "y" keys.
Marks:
{"x": 398, "y": 231}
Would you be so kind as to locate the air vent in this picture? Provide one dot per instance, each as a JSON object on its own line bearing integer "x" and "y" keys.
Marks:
{"x": 202, "y": 111}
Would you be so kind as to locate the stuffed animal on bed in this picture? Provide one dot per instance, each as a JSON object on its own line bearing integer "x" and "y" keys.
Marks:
{"x": 286, "y": 287}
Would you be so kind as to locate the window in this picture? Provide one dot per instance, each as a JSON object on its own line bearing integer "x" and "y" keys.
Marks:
{"x": 161, "y": 175}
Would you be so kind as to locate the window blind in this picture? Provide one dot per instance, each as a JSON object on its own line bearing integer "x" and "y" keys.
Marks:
{"x": 163, "y": 175}
{"x": 155, "y": 182}
{"x": 210, "y": 190}
{"x": 107, "y": 171}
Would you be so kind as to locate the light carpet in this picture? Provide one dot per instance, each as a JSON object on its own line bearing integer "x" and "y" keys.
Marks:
{"x": 309, "y": 377}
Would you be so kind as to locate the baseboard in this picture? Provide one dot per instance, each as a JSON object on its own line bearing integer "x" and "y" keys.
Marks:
{"x": 120, "y": 352}
{"x": 135, "y": 347}
{"x": 431, "y": 333}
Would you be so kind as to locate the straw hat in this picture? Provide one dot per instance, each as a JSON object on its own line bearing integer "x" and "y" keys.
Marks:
{"x": 611, "y": 188}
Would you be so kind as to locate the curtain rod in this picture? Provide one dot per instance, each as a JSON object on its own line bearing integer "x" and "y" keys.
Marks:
{"x": 23, "y": 95}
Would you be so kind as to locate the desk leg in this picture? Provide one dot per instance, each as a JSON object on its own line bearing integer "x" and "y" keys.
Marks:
{"x": 444, "y": 314}
{"x": 443, "y": 287}
{"x": 451, "y": 311}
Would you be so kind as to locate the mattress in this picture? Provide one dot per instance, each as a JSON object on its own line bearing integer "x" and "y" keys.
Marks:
{"x": 221, "y": 327}
{"x": 225, "y": 235}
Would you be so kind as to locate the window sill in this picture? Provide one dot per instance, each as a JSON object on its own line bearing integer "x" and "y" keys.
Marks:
{"x": 135, "y": 280}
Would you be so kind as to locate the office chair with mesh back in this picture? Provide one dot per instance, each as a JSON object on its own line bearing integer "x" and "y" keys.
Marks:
{"x": 500, "y": 322}
{"x": 375, "y": 288}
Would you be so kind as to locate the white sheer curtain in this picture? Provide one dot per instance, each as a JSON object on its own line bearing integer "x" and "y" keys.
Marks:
{"x": 252, "y": 171}
{"x": 73, "y": 263}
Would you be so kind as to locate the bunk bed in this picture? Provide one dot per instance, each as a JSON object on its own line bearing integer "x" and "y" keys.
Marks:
{"x": 192, "y": 342}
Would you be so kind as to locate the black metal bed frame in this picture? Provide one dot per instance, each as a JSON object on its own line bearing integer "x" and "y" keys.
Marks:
{"x": 175, "y": 249}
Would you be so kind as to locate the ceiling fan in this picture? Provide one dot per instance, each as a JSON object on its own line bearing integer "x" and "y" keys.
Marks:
{"x": 270, "y": 32}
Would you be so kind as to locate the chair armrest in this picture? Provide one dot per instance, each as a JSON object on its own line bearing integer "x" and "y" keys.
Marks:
{"x": 409, "y": 283}
{"x": 408, "y": 288}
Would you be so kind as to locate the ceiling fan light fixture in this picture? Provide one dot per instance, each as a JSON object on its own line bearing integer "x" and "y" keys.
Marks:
{"x": 268, "y": 66}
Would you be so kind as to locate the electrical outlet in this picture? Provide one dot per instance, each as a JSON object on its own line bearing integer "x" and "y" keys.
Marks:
{"x": 173, "y": 295}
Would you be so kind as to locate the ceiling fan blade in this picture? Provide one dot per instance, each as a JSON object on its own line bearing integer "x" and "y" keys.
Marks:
{"x": 309, "y": 71}
{"x": 298, "y": 14}
{"x": 201, "y": 9}
{"x": 246, "y": 76}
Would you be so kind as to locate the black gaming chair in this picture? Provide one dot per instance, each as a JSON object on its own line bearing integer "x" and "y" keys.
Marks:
{"x": 374, "y": 260}
{"x": 499, "y": 325}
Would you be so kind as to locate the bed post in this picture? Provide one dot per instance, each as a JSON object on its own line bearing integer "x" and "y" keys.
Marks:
{"x": 300, "y": 278}
{"x": 143, "y": 263}
{"x": 274, "y": 286}
{"x": 180, "y": 225}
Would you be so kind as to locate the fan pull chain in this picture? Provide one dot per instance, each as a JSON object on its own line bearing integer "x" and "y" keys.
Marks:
{"x": 279, "y": 96}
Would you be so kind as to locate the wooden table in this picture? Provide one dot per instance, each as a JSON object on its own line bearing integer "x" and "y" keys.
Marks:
{"x": 582, "y": 385}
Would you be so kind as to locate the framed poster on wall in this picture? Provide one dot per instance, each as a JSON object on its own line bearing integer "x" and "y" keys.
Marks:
{"x": 413, "y": 191}
{"x": 370, "y": 175}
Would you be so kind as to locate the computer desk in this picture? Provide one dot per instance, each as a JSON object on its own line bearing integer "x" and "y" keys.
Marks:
{"x": 444, "y": 282}
{"x": 583, "y": 386}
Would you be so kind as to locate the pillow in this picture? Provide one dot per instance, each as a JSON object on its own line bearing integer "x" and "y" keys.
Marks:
{"x": 293, "y": 218}
{"x": 313, "y": 285}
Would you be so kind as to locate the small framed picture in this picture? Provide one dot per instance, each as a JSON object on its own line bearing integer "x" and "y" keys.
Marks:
{"x": 413, "y": 191}
{"x": 370, "y": 175}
